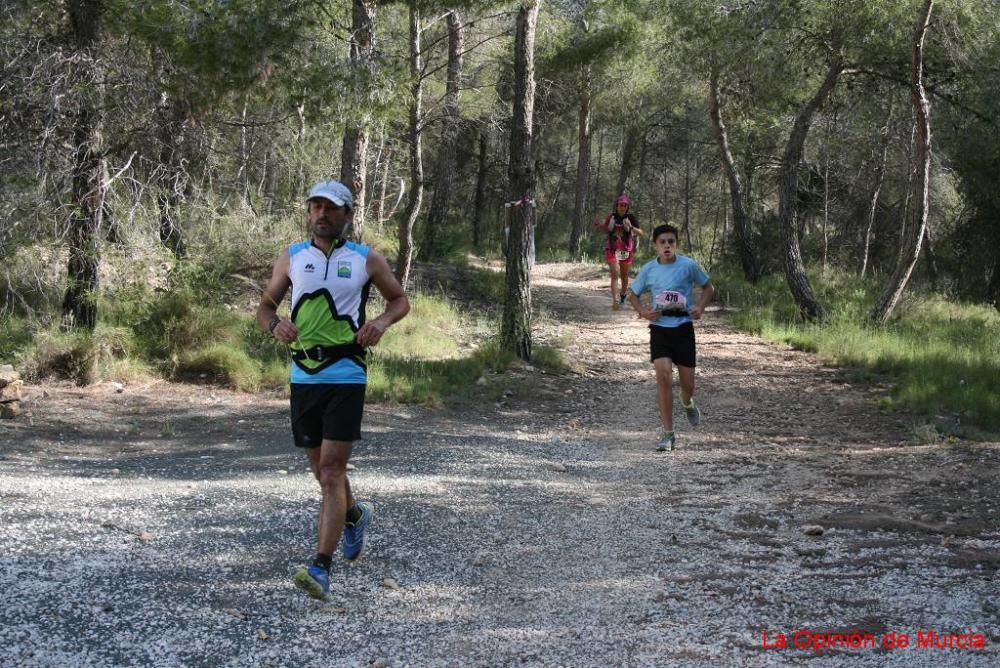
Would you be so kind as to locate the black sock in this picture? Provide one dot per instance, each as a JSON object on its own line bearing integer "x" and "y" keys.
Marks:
{"x": 324, "y": 561}
{"x": 353, "y": 515}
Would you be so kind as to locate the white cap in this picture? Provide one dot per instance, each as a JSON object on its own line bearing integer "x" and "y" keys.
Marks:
{"x": 335, "y": 191}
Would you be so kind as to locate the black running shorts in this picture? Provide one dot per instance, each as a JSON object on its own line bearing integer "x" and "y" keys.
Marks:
{"x": 677, "y": 343}
{"x": 331, "y": 412}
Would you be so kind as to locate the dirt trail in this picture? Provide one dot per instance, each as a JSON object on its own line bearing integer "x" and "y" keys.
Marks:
{"x": 528, "y": 523}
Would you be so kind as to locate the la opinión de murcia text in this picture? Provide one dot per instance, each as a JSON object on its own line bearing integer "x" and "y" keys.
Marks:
{"x": 822, "y": 641}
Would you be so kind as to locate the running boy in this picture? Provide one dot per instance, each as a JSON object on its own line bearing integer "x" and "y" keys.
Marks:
{"x": 671, "y": 278}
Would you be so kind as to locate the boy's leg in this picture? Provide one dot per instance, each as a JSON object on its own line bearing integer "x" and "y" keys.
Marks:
{"x": 692, "y": 411}
{"x": 664, "y": 391}
{"x": 686, "y": 376}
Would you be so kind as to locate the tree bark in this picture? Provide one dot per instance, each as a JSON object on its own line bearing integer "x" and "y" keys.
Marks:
{"x": 405, "y": 258}
{"x": 173, "y": 181}
{"x": 741, "y": 221}
{"x": 915, "y": 230}
{"x": 445, "y": 172}
{"x": 788, "y": 192}
{"x": 582, "y": 167}
{"x": 625, "y": 175}
{"x": 876, "y": 191}
{"x": 515, "y": 334}
{"x": 89, "y": 182}
{"x": 993, "y": 288}
{"x": 482, "y": 175}
{"x": 354, "y": 152}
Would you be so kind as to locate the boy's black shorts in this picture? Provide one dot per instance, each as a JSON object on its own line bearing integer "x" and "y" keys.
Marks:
{"x": 331, "y": 412}
{"x": 677, "y": 343}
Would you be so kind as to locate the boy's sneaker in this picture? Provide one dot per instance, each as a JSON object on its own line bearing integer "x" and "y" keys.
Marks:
{"x": 314, "y": 581}
{"x": 667, "y": 440}
{"x": 353, "y": 541}
{"x": 693, "y": 414}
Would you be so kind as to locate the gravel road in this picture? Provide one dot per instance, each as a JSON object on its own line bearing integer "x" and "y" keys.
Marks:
{"x": 529, "y": 523}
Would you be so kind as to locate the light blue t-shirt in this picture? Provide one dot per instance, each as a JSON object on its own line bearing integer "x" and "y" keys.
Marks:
{"x": 671, "y": 286}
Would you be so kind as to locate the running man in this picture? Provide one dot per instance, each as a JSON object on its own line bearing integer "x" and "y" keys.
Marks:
{"x": 328, "y": 335}
{"x": 670, "y": 278}
{"x": 619, "y": 250}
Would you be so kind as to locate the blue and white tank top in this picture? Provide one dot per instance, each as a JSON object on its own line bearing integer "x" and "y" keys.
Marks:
{"x": 329, "y": 296}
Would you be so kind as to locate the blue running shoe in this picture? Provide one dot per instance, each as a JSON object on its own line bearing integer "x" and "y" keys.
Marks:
{"x": 314, "y": 581}
{"x": 354, "y": 534}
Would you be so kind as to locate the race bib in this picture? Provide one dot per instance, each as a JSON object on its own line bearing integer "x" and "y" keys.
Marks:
{"x": 671, "y": 301}
{"x": 622, "y": 254}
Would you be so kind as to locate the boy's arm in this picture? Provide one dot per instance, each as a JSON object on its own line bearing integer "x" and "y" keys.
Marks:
{"x": 707, "y": 292}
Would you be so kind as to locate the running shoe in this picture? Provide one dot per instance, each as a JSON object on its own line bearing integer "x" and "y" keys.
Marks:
{"x": 693, "y": 414}
{"x": 314, "y": 581}
{"x": 354, "y": 533}
{"x": 667, "y": 441}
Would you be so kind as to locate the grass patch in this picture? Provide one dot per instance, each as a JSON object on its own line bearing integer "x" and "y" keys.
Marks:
{"x": 413, "y": 380}
{"x": 221, "y": 364}
{"x": 943, "y": 357}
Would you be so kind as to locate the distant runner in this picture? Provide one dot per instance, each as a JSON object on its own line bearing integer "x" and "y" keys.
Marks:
{"x": 328, "y": 334}
{"x": 619, "y": 250}
{"x": 670, "y": 278}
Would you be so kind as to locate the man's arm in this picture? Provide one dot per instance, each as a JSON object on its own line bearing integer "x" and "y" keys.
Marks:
{"x": 396, "y": 303}
{"x": 707, "y": 292}
{"x": 267, "y": 310}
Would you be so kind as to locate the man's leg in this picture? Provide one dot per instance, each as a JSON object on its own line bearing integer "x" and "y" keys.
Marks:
{"x": 335, "y": 486}
{"x": 329, "y": 465}
{"x": 314, "y": 458}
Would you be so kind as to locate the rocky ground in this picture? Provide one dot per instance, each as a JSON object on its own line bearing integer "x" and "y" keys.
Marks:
{"x": 529, "y": 522}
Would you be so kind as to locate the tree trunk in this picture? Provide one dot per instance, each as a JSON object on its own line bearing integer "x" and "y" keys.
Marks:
{"x": 788, "y": 192}
{"x": 482, "y": 175}
{"x": 383, "y": 183}
{"x": 993, "y": 288}
{"x": 89, "y": 182}
{"x": 932, "y": 264}
{"x": 687, "y": 185}
{"x": 173, "y": 181}
{"x": 405, "y": 258}
{"x": 354, "y": 152}
{"x": 625, "y": 175}
{"x": 441, "y": 201}
{"x": 582, "y": 168}
{"x": 876, "y": 191}
{"x": 741, "y": 221}
{"x": 515, "y": 334}
{"x": 894, "y": 287}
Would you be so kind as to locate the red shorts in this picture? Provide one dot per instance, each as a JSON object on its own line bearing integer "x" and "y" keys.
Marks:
{"x": 610, "y": 256}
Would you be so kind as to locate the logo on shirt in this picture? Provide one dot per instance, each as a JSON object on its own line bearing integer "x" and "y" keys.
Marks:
{"x": 309, "y": 268}
{"x": 343, "y": 269}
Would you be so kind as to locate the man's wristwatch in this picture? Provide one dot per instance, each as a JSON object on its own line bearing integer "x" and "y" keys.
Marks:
{"x": 274, "y": 323}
